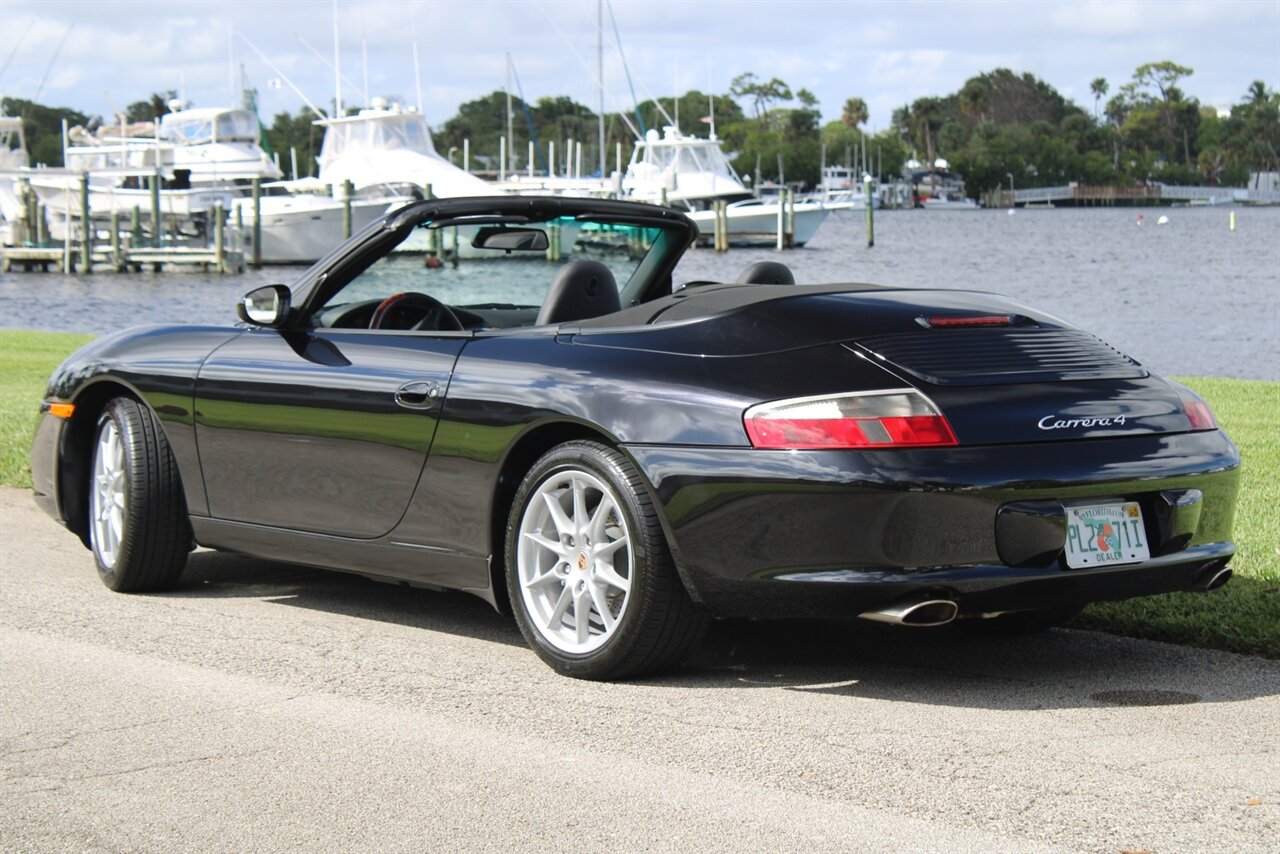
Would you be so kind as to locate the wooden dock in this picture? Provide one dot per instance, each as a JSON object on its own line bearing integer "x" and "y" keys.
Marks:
{"x": 1082, "y": 195}
{"x": 42, "y": 258}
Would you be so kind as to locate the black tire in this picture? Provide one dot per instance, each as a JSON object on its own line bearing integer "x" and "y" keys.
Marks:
{"x": 142, "y": 547}
{"x": 655, "y": 624}
{"x": 1022, "y": 622}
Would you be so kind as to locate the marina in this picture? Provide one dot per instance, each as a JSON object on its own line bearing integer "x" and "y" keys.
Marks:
{"x": 1192, "y": 297}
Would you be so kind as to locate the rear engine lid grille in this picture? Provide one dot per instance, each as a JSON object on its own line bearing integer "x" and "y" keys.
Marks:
{"x": 989, "y": 356}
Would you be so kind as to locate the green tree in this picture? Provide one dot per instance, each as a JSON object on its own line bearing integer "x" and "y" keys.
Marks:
{"x": 152, "y": 108}
{"x": 855, "y": 113}
{"x": 1175, "y": 117}
{"x": 1099, "y": 88}
{"x": 42, "y": 127}
{"x": 298, "y": 133}
{"x": 762, "y": 94}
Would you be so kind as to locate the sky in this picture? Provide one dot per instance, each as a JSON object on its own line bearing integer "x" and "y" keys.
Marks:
{"x": 97, "y": 56}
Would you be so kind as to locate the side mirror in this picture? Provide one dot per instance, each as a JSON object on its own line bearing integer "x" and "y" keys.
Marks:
{"x": 265, "y": 306}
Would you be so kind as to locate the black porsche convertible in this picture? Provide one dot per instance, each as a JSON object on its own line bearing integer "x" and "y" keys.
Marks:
{"x": 512, "y": 397}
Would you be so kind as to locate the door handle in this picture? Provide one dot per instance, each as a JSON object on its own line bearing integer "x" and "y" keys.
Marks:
{"x": 419, "y": 394}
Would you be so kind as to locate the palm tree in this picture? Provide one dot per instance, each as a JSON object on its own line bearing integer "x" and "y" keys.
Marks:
{"x": 1099, "y": 88}
{"x": 1257, "y": 93}
{"x": 975, "y": 97}
{"x": 855, "y": 113}
{"x": 926, "y": 114}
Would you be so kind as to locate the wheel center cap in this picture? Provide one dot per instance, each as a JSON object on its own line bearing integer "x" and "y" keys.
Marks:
{"x": 582, "y": 560}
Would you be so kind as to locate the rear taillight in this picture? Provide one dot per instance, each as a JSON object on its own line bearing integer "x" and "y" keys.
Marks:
{"x": 902, "y": 418}
{"x": 1198, "y": 412}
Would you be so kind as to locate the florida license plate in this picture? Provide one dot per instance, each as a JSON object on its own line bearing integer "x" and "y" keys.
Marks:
{"x": 1105, "y": 534}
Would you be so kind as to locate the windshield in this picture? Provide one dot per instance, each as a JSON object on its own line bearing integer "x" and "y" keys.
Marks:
{"x": 690, "y": 158}
{"x": 388, "y": 133}
{"x": 236, "y": 125}
{"x": 493, "y": 288}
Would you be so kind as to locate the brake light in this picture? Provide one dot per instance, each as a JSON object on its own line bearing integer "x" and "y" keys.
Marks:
{"x": 954, "y": 321}
{"x": 1200, "y": 415}
{"x": 1197, "y": 411}
{"x": 901, "y": 418}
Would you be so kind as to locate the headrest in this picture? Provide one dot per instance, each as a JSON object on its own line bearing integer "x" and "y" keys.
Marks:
{"x": 767, "y": 273}
{"x": 581, "y": 290}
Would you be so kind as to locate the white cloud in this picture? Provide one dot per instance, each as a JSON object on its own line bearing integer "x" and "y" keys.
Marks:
{"x": 886, "y": 52}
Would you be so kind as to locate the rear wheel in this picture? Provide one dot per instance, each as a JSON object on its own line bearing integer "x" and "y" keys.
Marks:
{"x": 138, "y": 527}
{"x": 589, "y": 573}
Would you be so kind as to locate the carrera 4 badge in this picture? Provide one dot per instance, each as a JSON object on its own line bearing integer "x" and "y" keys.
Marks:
{"x": 1053, "y": 422}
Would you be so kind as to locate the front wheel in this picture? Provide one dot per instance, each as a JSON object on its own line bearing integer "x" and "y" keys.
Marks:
{"x": 138, "y": 526}
{"x": 590, "y": 576}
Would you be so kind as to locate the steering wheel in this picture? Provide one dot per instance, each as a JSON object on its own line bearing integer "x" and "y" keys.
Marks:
{"x": 435, "y": 314}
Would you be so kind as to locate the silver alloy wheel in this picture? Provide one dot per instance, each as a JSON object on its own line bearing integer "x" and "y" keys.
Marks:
{"x": 574, "y": 561}
{"x": 109, "y": 496}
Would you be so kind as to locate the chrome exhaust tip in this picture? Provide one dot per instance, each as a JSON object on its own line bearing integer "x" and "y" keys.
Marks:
{"x": 930, "y": 612}
{"x": 1212, "y": 579}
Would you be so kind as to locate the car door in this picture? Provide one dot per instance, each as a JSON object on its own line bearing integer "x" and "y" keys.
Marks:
{"x": 321, "y": 430}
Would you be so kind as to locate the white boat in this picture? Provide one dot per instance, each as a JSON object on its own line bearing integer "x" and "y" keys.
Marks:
{"x": 203, "y": 158}
{"x": 690, "y": 171}
{"x": 948, "y": 201}
{"x": 842, "y": 189}
{"x": 386, "y": 147}
{"x": 937, "y": 187}
{"x": 694, "y": 173}
{"x": 755, "y": 221}
{"x": 214, "y": 146}
{"x": 60, "y": 191}
{"x": 302, "y": 221}
{"x": 13, "y": 159}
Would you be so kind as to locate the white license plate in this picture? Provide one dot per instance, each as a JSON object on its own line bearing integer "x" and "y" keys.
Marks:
{"x": 1105, "y": 534}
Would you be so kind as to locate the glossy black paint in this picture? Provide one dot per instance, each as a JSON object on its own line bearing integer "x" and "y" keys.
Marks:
{"x": 870, "y": 526}
{"x": 304, "y": 429}
{"x": 395, "y": 454}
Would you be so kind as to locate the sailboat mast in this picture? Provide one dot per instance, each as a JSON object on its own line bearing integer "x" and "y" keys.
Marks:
{"x": 600, "y": 75}
{"x": 511, "y": 160}
{"x": 337, "y": 66}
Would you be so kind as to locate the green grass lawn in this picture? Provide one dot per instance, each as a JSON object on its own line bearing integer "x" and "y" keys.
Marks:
{"x": 26, "y": 360}
{"x": 1243, "y": 616}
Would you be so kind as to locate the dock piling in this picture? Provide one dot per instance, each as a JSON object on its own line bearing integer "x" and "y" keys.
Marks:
{"x": 86, "y": 226}
{"x": 219, "y": 236}
{"x": 116, "y": 257}
{"x": 257, "y": 222}
{"x": 782, "y": 220}
{"x": 871, "y": 223}
{"x": 29, "y": 202}
{"x": 155, "y": 207}
{"x": 790, "y": 197}
{"x": 347, "y": 191}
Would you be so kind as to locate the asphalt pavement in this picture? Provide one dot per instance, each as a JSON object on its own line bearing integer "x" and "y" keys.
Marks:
{"x": 269, "y": 707}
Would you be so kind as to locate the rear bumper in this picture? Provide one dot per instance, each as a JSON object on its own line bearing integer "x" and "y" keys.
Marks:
{"x": 834, "y": 533}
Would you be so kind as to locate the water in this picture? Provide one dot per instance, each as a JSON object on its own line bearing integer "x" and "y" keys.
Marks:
{"x": 1190, "y": 297}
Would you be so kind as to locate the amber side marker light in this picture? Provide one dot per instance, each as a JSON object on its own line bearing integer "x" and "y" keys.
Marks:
{"x": 62, "y": 410}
